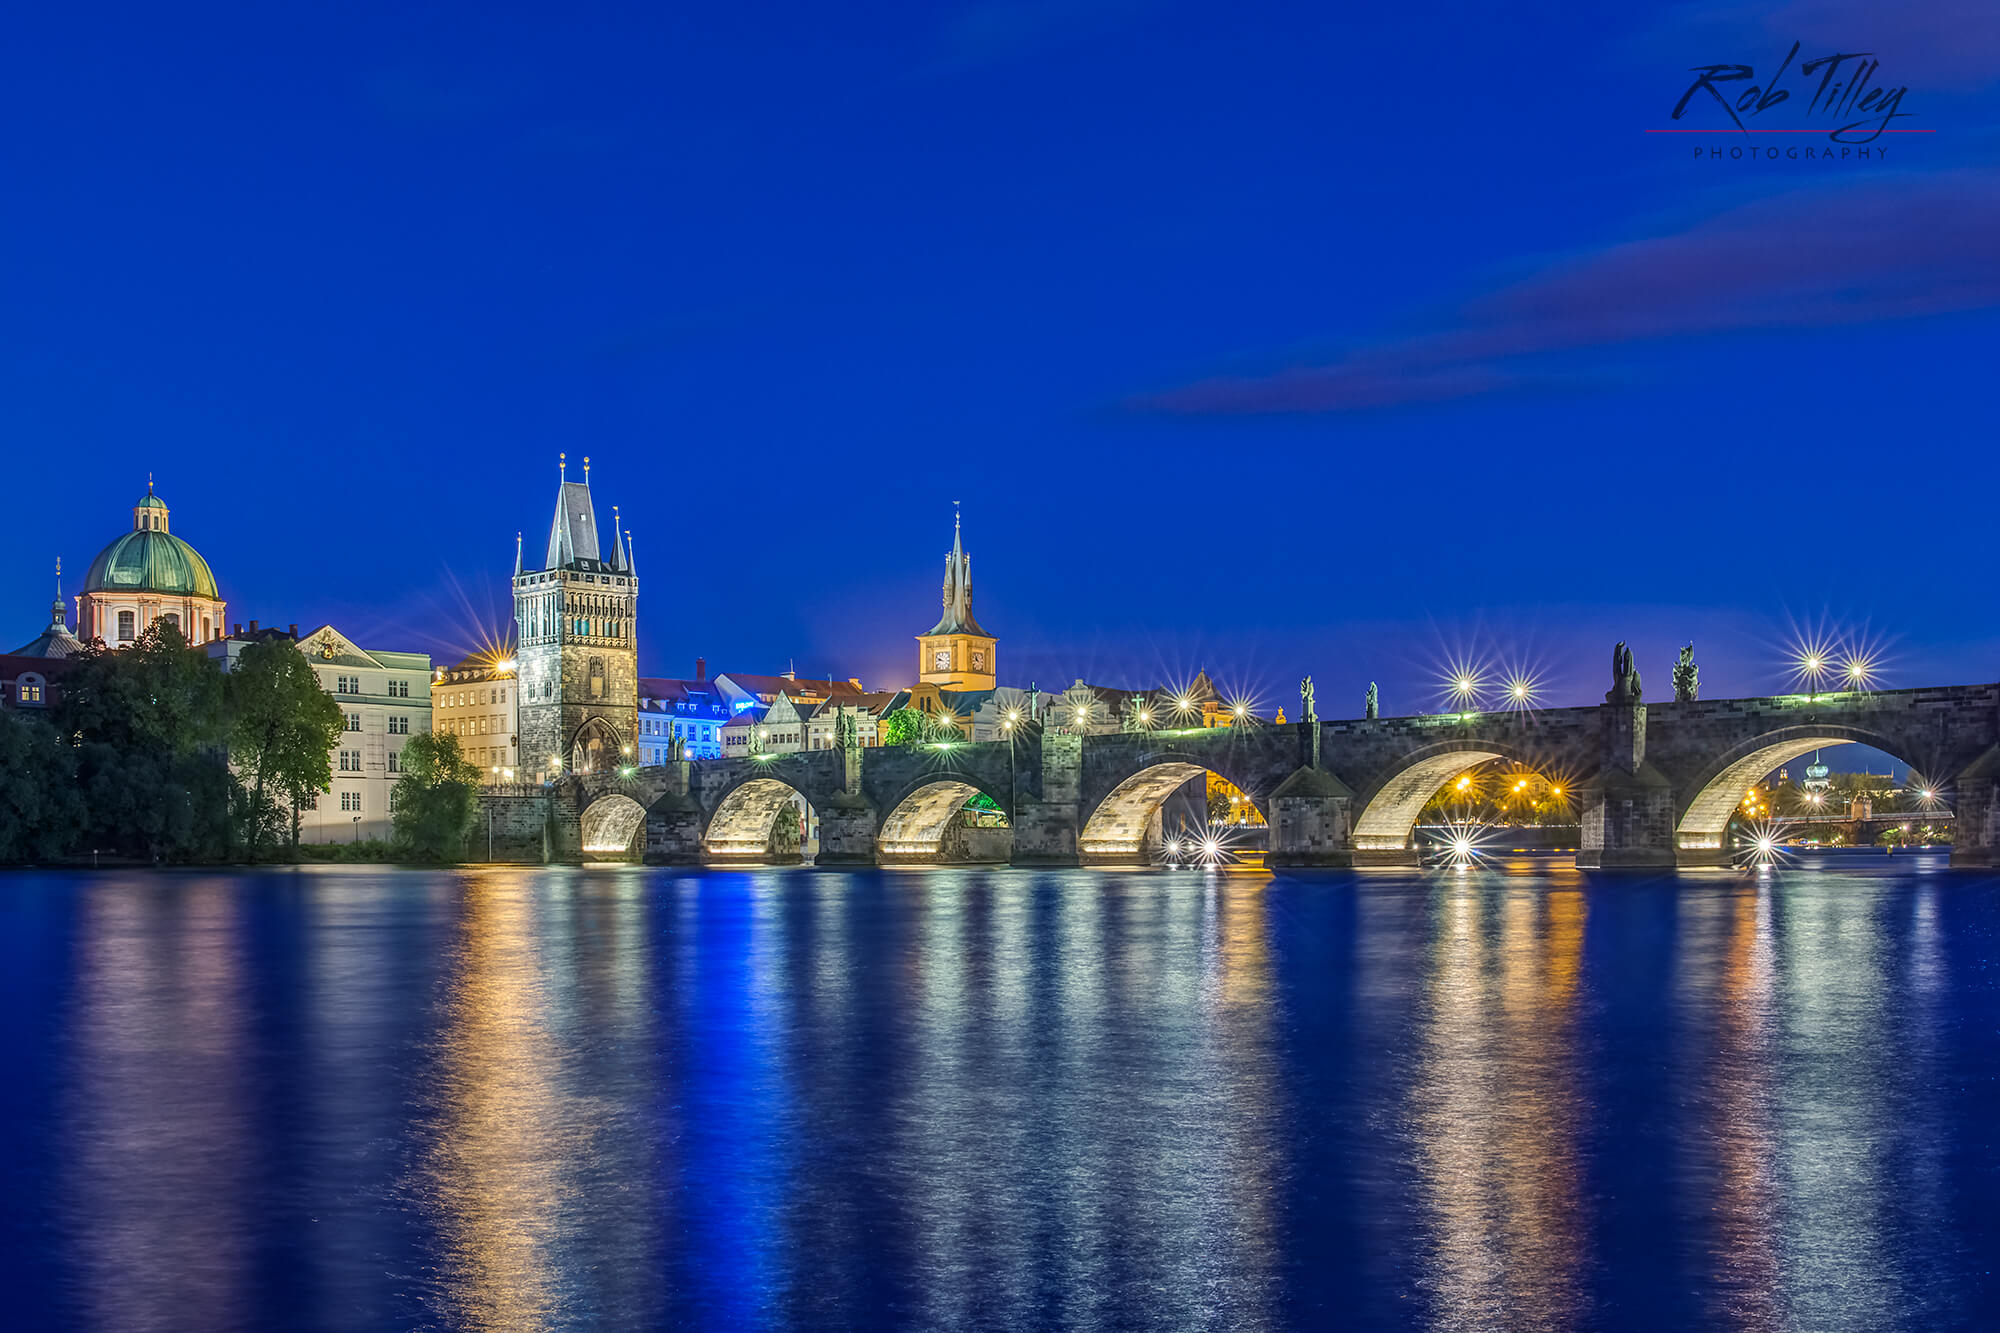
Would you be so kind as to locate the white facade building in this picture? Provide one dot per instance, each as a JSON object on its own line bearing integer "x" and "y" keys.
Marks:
{"x": 386, "y": 699}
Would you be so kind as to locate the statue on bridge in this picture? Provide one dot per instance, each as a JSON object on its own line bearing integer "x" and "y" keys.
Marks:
{"x": 847, "y": 730}
{"x": 1374, "y": 706}
{"x": 1306, "y": 713}
{"x": 1034, "y": 703}
{"x": 1687, "y": 677}
{"x": 677, "y": 749}
{"x": 1625, "y": 686}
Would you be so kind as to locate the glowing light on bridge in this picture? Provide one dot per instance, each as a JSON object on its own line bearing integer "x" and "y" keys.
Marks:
{"x": 1760, "y": 847}
{"x": 1465, "y": 684}
{"x": 1463, "y": 845}
{"x": 1522, "y": 691}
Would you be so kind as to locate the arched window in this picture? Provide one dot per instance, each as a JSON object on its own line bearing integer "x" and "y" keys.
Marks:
{"x": 126, "y": 627}
{"x": 597, "y": 678}
{"x": 173, "y": 618}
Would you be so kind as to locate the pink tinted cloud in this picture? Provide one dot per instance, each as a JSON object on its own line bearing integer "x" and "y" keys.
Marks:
{"x": 1916, "y": 246}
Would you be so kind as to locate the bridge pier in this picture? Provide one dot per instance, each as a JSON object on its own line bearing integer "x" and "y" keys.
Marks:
{"x": 1628, "y": 809}
{"x": 1976, "y": 814}
{"x": 847, "y": 826}
{"x": 1046, "y": 826}
{"x": 1309, "y": 821}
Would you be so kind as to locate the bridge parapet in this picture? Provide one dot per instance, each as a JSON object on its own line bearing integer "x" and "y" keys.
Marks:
{"x": 1658, "y": 782}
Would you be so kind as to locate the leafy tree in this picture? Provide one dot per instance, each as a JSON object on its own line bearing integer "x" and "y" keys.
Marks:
{"x": 39, "y": 803}
{"x": 785, "y": 839}
{"x": 436, "y": 799}
{"x": 147, "y": 724}
{"x": 905, "y": 726}
{"x": 282, "y": 730}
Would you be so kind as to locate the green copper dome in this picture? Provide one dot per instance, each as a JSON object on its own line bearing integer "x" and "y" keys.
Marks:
{"x": 150, "y": 559}
{"x": 150, "y": 562}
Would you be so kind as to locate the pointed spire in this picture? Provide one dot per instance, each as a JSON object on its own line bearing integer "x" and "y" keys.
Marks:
{"x": 517, "y": 555}
{"x": 631, "y": 565}
{"x": 58, "y": 612}
{"x": 617, "y": 542}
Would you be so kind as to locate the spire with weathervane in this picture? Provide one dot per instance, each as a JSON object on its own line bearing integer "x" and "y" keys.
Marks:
{"x": 957, "y": 654}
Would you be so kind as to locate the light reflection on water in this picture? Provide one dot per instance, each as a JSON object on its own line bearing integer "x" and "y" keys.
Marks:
{"x": 1509, "y": 1097}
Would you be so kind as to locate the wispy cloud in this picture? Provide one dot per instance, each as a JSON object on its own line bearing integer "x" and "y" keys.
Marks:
{"x": 1816, "y": 257}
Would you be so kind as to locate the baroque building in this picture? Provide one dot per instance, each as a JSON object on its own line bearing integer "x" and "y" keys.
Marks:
{"x": 476, "y": 702}
{"x": 577, "y": 659}
{"x": 146, "y": 575}
{"x": 956, "y": 654}
{"x": 384, "y": 700}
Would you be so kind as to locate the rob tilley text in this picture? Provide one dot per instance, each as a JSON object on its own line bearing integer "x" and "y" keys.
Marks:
{"x": 1843, "y": 87}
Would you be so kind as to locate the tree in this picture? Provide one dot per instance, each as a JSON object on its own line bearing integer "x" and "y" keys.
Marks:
{"x": 39, "y": 803}
{"x": 905, "y": 726}
{"x": 785, "y": 840}
{"x": 282, "y": 730}
{"x": 436, "y": 799}
{"x": 147, "y": 726}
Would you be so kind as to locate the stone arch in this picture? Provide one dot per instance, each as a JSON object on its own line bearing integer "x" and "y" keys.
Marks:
{"x": 740, "y": 828}
{"x": 918, "y": 823}
{"x": 1118, "y": 826}
{"x": 1390, "y": 807}
{"x": 1712, "y": 797}
{"x": 610, "y": 823}
{"x": 595, "y": 748}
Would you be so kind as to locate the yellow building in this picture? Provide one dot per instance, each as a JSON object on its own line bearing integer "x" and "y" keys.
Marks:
{"x": 957, "y": 654}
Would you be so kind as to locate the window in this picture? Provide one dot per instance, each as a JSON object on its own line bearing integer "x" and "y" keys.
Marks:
{"x": 350, "y": 761}
{"x": 311, "y": 802}
{"x": 597, "y": 678}
{"x": 30, "y": 690}
{"x": 399, "y": 689}
{"x": 399, "y": 726}
{"x": 350, "y": 800}
{"x": 343, "y": 685}
{"x": 503, "y": 694}
{"x": 392, "y": 800}
{"x": 354, "y": 721}
{"x": 172, "y": 618}
{"x": 125, "y": 627}
{"x": 395, "y": 762}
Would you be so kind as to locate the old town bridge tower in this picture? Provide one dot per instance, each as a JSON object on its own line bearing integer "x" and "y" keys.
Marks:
{"x": 578, "y": 656}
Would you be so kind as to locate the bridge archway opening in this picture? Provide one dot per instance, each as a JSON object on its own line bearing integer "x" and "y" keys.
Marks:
{"x": 611, "y": 825}
{"x": 1704, "y": 826}
{"x": 1128, "y": 820}
{"x": 945, "y": 821}
{"x": 745, "y": 825}
{"x": 1390, "y": 817}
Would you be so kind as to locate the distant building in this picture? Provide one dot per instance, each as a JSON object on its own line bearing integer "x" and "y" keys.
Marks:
{"x": 741, "y": 691}
{"x": 578, "y": 654}
{"x": 690, "y": 711}
{"x": 956, "y": 653}
{"x": 146, "y": 575}
{"x": 478, "y": 701}
{"x": 385, "y": 699}
{"x": 867, "y": 710}
{"x": 56, "y": 640}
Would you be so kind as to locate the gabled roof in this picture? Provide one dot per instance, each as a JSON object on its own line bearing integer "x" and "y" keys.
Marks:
{"x": 776, "y": 685}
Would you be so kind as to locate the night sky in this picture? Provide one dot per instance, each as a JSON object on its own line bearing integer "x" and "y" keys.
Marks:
{"x": 1271, "y": 339}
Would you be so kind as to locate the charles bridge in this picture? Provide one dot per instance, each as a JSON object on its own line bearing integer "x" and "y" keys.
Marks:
{"x": 1656, "y": 784}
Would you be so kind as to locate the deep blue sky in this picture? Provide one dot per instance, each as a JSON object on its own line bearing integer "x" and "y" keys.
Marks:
{"x": 1259, "y": 338}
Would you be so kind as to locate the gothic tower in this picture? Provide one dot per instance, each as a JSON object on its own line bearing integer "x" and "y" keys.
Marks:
{"x": 577, "y": 659}
{"x": 957, "y": 654}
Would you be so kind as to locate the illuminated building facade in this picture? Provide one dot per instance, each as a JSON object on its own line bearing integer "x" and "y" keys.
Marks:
{"x": 384, "y": 701}
{"x": 576, "y": 622}
{"x": 478, "y": 701}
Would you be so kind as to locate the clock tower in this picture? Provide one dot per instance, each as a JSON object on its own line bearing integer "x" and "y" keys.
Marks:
{"x": 956, "y": 654}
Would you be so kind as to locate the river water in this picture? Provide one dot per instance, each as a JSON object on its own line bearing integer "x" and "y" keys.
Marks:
{"x": 1510, "y": 1097}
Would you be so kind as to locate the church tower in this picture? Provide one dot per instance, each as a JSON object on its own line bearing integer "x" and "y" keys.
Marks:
{"x": 577, "y": 660}
{"x": 957, "y": 654}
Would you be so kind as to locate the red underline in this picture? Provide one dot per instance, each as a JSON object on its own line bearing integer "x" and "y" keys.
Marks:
{"x": 1749, "y": 132}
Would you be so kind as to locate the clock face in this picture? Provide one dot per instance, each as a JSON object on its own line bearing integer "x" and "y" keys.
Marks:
{"x": 942, "y": 658}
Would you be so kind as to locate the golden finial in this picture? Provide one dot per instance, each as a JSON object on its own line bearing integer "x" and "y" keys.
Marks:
{"x": 562, "y": 465}
{"x": 586, "y": 469}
